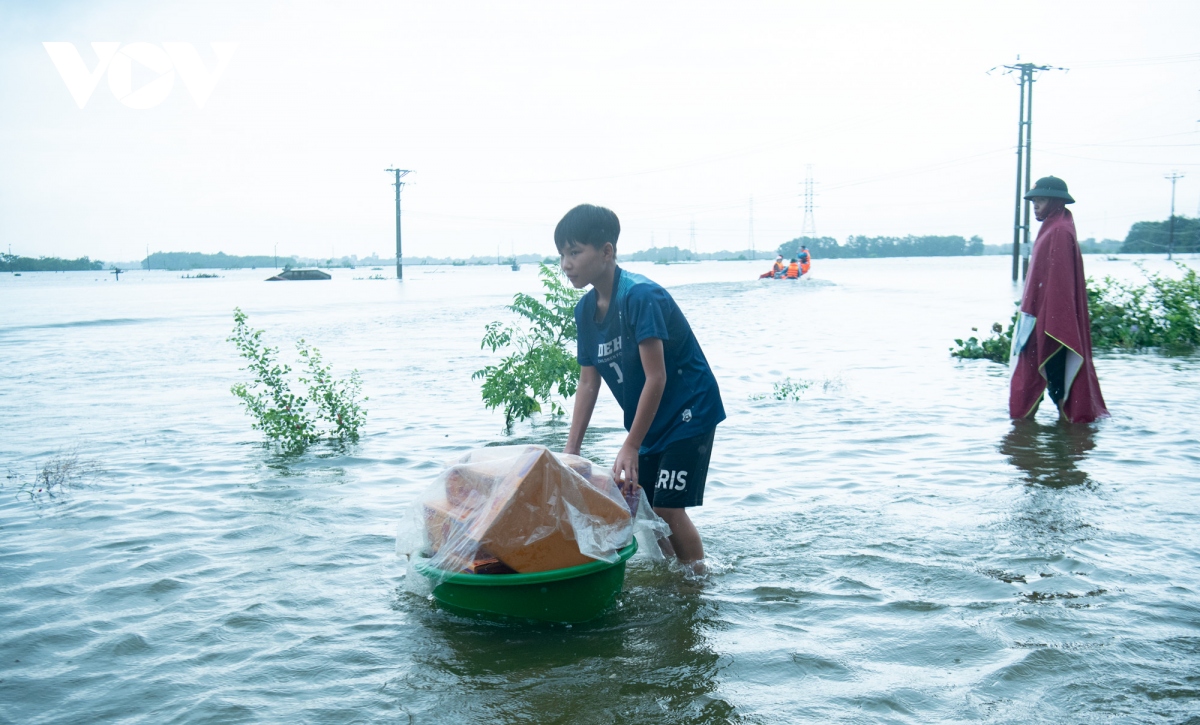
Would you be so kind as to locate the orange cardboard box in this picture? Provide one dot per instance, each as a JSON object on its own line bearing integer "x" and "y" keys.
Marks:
{"x": 446, "y": 523}
{"x": 524, "y": 523}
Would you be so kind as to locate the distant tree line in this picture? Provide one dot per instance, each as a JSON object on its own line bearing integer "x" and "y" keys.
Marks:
{"x": 15, "y": 263}
{"x": 675, "y": 254}
{"x": 220, "y": 260}
{"x": 1155, "y": 237}
{"x": 910, "y": 246}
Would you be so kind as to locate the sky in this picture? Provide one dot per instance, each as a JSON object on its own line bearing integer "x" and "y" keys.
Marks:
{"x": 695, "y": 122}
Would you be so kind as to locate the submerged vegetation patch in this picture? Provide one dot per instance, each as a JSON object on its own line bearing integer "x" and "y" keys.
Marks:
{"x": 54, "y": 478}
{"x": 788, "y": 389}
{"x": 1162, "y": 313}
{"x": 330, "y": 408}
{"x": 994, "y": 347}
{"x": 541, "y": 356}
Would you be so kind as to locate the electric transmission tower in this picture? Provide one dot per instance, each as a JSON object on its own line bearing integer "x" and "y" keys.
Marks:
{"x": 400, "y": 174}
{"x": 695, "y": 252}
{"x": 809, "y": 227}
{"x": 753, "y": 252}
{"x": 1175, "y": 176}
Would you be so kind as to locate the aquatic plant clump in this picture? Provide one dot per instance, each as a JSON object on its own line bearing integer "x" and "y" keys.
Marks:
{"x": 58, "y": 475}
{"x": 1163, "y": 313}
{"x": 283, "y": 416}
{"x": 542, "y": 361}
{"x": 995, "y": 347}
{"x": 788, "y": 389}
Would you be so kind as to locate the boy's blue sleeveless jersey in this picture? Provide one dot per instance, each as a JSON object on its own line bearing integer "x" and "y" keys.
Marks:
{"x": 639, "y": 310}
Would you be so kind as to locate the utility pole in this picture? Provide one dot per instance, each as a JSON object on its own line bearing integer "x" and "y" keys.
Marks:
{"x": 753, "y": 252}
{"x": 400, "y": 174}
{"x": 1175, "y": 176}
{"x": 694, "y": 252}
{"x": 809, "y": 227}
{"x": 1027, "y": 73}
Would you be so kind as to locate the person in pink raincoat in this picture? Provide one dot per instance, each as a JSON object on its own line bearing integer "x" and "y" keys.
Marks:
{"x": 1052, "y": 340}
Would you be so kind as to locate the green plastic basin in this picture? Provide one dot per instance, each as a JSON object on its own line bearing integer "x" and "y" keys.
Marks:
{"x": 574, "y": 594}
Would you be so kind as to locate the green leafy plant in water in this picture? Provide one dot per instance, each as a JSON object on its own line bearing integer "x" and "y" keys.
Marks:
{"x": 541, "y": 357}
{"x": 1122, "y": 314}
{"x": 1163, "y": 313}
{"x": 283, "y": 416}
{"x": 787, "y": 389}
{"x": 995, "y": 347}
{"x": 336, "y": 401}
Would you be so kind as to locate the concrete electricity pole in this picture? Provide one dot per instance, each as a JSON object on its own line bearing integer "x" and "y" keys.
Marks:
{"x": 1175, "y": 176}
{"x": 400, "y": 174}
{"x": 1027, "y": 73}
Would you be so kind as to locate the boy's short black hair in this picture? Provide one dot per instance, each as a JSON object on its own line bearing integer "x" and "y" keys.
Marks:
{"x": 588, "y": 224}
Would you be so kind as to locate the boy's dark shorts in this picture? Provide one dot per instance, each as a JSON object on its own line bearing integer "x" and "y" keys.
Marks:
{"x": 674, "y": 478}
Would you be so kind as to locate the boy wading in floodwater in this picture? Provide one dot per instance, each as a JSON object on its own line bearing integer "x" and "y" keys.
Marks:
{"x": 634, "y": 336}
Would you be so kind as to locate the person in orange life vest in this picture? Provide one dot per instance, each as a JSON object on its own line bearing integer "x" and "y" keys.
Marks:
{"x": 1052, "y": 338}
{"x": 777, "y": 270}
{"x": 793, "y": 269}
{"x": 805, "y": 260}
{"x": 780, "y": 267}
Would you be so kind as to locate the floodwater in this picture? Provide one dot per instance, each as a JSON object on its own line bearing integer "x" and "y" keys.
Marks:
{"x": 888, "y": 547}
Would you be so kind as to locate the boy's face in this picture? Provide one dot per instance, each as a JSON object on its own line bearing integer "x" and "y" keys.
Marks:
{"x": 584, "y": 264}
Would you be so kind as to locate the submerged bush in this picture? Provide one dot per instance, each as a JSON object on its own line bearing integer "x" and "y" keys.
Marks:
{"x": 283, "y": 416}
{"x": 542, "y": 360}
{"x": 994, "y": 348}
{"x": 57, "y": 476}
{"x": 1163, "y": 313}
{"x": 793, "y": 390}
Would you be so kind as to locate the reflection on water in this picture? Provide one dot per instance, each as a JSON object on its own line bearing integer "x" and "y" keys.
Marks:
{"x": 1048, "y": 454}
{"x": 874, "y": 560}
{"x": 648, "y": 660}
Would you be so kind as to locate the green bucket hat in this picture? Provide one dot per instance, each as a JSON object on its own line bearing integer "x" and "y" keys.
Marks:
{"x": 1050, "y": 186}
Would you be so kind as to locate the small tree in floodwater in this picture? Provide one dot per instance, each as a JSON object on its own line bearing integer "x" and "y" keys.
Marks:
{"x": 542, "y": 360}
{"x": 330, "y": 409}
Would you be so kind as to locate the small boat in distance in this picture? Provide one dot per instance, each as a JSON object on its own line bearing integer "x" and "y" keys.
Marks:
{"x": 296, "y": 275}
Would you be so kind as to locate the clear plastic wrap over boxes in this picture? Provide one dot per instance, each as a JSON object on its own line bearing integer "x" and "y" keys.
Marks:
{"x": 524, "y": 509}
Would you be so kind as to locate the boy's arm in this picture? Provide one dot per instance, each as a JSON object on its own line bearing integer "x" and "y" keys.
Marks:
{"x": 585, "y": 402}
{"x": 651, "y": 352}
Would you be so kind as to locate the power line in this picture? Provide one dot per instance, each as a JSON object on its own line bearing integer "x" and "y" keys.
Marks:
{"x": 1112, "y": 161}
{"x": 1156, "y": 60}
